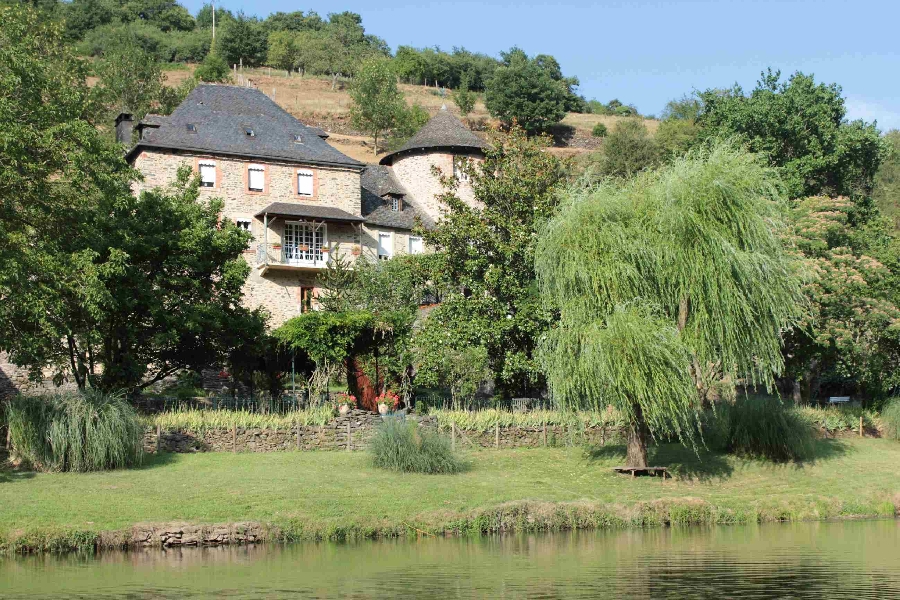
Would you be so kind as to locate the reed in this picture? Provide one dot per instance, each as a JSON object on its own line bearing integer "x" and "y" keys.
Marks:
{"x": 486, "y": 420}
{"x": 401, "y": 445}
{"x": 198, "y": 421}
{"x": 890, "y": 418}
{"x": 75, "y": 431}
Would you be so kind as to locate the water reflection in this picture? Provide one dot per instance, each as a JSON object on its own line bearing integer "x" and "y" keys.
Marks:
{"x": 807, "y": 560}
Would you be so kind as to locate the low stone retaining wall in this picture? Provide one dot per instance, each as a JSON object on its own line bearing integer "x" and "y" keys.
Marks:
{"x": 355, "y": 430}
{"x": 175, "y": 535}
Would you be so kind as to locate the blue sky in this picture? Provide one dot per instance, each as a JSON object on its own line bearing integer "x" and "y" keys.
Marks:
{"x": 647, "y": 53}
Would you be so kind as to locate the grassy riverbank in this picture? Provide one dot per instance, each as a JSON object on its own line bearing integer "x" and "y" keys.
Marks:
{"x": 337, "y": 495}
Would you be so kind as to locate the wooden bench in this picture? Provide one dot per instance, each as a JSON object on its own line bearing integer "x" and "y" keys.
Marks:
{"x": 839, "y": 400}
{"x": 635, "y": 471}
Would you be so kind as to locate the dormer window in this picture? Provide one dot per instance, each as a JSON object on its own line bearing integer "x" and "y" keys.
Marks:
{"x": 191, "y": 128}
{"x": 298, "y": 139}
{"x": 396, "y": 204}
{"x": 249, "y": 131}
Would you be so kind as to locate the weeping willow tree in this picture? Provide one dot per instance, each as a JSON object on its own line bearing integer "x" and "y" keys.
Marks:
{"x": 664, "y": 285}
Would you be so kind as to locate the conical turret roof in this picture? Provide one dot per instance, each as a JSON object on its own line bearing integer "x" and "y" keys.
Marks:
{"x": 442, "y": 131}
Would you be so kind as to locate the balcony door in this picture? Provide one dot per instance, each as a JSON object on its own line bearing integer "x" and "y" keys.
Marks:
{"x": 303, "y": 243}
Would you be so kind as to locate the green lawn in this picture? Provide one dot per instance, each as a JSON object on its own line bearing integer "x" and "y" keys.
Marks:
{"x": 331, "y": 490}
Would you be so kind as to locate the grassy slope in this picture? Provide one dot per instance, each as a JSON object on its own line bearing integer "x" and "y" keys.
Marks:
{"x": 312, "y": 101}
{"x": 339, "y": 491}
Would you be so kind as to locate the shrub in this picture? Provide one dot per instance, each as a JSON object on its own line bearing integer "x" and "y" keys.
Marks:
{"x": 213, "y": 69}
{"x": 599, "y": 130}
{"x": 81, "y": 431}
{"x": 401, "y": 445}
{"x": 763, "y": 427}
{"x": 890, "y": 418}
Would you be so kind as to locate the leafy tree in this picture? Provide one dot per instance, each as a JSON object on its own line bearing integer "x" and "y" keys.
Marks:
{"x": 523, "y": 92}
{"x": 213, "y": 69}
{"x": 686, "y": 108}
{"x": 850, "y": 339}
{"x": 294, "y": 21}
{"x": 204, "y": 18}
{"x": 84, "y": 15}
{"x": 674, "y": 137}
{"x": 242, "y": 41}
{"x": 461, "y": 370}
{"x": 485, "y": 257}
{"x": 665, "y": 285}
{"x": 887, "y": 180}
{"x": 168, "y": 15}
{"x": 628, "y": 149}
{"x": 800, "y": 127}
{"x": 282, "y": 50}
{"x": 463, "y": 98}
{"x": 377, "y": 102}
{"x": 130, "y": 80}
{"x": 409, "y": 121}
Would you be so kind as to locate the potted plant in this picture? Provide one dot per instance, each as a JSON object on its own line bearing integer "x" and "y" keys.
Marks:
{"x": 387, "y": 402}
{"x": 345, "y": 403}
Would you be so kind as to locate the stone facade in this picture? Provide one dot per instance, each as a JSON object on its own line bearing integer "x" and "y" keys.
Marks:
{"x": 415, "y": 173}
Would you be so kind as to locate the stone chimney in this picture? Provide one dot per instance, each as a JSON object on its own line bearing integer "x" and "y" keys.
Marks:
{"x": 124, "y": 125}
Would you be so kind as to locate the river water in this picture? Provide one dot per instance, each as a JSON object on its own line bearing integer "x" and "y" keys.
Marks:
{"x": 854, "y": 559}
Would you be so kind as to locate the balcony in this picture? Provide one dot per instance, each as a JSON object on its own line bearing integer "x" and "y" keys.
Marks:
{"x": 291, "y": 257}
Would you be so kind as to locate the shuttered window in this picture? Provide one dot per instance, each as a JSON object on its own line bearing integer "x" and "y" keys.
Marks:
{"x": 415, "y": 244}
{"x": 207, "y": 174}
{"x": 385, "y": 246}
{"x": 256, "y": 180}
{"x": 305, "y": 182}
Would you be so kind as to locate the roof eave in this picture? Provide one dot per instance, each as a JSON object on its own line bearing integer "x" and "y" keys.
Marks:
{"x": 129, "y": 156}
{"x": 387, "y": 159}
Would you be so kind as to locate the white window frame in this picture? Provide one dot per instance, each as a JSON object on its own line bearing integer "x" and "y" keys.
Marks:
{"x": 417, "y": 238}
{"x": 207, "y": 163}
{"x": 262, "y": 170}
{"x": 458, "y": 173}
{"x": 291, "y": 243}
{"x": 312, "y": 182}
{"x": 395, "y": 204}
{"x": 390, "y": 249}
{"x": 244, "y": 224}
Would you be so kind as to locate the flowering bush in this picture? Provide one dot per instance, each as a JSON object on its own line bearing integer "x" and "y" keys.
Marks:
{"x": 389, "y": 398}
{"x": 345, "y": 398}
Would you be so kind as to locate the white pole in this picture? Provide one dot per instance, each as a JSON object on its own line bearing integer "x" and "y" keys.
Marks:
{"x": 214, "y": 20}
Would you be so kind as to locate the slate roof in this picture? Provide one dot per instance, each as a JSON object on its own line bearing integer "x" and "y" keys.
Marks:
{"x": 378, "y": 181}
{"x": 324, "y": 213}
{"x": 443, "y": 131}
{"x": 221, "y": 116}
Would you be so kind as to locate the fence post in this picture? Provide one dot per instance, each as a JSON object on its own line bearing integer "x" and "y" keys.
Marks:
{"x": 158, "y": 437}
{"x": 497, "y": 435}
{"x": 545, "y": 434}
{"x": 298, "y": 435}
{"x": 349, "y": 437}
{"x": 860, "y": 426}
{"x": 234, "y": 438}
{"x": 453, "y": 435}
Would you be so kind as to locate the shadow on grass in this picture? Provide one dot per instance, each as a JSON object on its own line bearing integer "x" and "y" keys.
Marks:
{"x": 9, "y": 475}
{"x": 681, "y": 461}
{"x": 152, "y": 461}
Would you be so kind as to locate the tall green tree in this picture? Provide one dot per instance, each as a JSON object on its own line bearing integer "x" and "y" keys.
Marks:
{"x": 463, "y": 97}
{"x": 887, "y": 181}
{"x": 242, "y": 40}
{"x": 282, "y": 51}
{"x": 628, "y": 149}
{"x": 801, "y": 128}
{"x": 522, "y": 91}
{"x": 484, "y": 261}
{"x": 378, "y": 103}
{"x": 130, "y": 80}
{"x": 664, "y": 286}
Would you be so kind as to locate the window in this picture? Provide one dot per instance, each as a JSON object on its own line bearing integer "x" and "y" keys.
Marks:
{"x": 298, "y": 139}
{"x": 243, "y": 224}
{"x": 305, "y": 182}
{"x": 306, "y": 298}
{"x": 396, "y": 204}
{"x": 256, "y": 178}
{"x": 303, "y": 243}
{"x": 458, "y": 173}
{"x": 207, "y": 174}
{"x": 385, "y": 246}
{"x": 415, "y": 244}
{"x": 249, "y": 131}
{"x": 191, "y": 128}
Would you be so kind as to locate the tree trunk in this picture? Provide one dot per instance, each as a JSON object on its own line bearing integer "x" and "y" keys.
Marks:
{"x": 636, "y": 454}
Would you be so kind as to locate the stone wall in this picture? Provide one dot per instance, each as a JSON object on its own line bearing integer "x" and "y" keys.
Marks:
{"x": 174, "y": 535}
{"x": 333, "y": 436}
{"x": 414, "y": 172}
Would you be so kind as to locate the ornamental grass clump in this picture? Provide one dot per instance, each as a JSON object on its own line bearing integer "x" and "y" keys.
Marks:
{"x": 76, "y": 431}
{"x": 764, "y": 427}
{"x": 890, "y": 418}
{"x": 401, "y": 445}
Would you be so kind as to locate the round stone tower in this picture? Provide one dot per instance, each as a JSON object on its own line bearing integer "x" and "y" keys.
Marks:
{"x": 442, "y": 142}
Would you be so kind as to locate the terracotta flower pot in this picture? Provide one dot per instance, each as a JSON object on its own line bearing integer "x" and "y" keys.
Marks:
{"x": 344, "y": 409}
{"x": 382, "y": 409}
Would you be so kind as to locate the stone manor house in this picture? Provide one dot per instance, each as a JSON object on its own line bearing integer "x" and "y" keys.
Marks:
{"x": 302, "y": 200}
